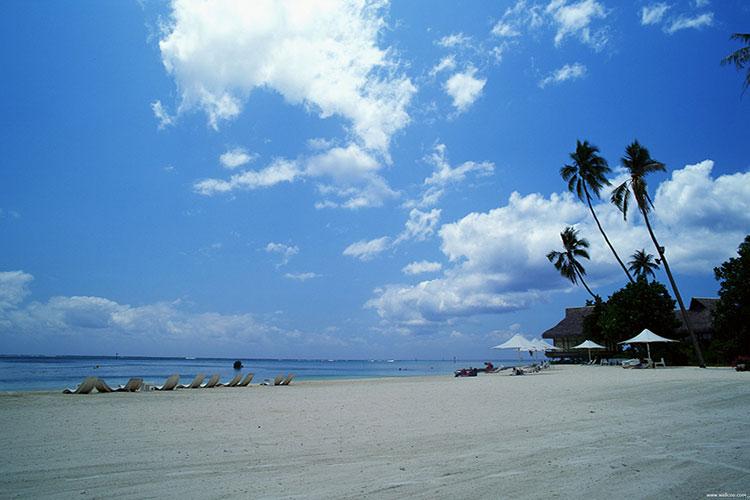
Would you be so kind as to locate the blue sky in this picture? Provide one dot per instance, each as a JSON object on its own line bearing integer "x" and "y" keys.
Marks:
{"x": 346, "y": 179}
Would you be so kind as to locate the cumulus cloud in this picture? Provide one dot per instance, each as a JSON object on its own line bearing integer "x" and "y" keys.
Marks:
{"x": 286, "y": 252}
{"x": 236, "y": 158}
{"x": 446, "y": 64}
{"x": 688, "y": 22}
{"x": 653, "y": 14}
{"x": 444, "y": 175}
{"x": 464, "y": 88}
{"x": 349, "y": 175}
{"x": 421, "y": 267}
{"x": 575, "y": 19}
{"x": 301, "y": 276}
{"x": 321, "y": 54}
{"x": 280, "y": 170}
{"x": 568, "y": 72}
{"x": 367, "y": 250}
{"x": 498, "y": 257}
{"x": 419, "y": 226}
{"x": 14, "y": 287}
{"x": 454, "y": 40}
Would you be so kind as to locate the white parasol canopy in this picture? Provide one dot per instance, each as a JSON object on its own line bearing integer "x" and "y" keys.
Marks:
{"x": 517, "y": 342}
{"x": 588, "y": 345}
{"x": 544, "y": 346}
{"x": 646, "y": 337}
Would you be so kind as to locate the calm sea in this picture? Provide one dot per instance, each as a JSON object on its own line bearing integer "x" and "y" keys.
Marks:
{"x": 30, "y": 373}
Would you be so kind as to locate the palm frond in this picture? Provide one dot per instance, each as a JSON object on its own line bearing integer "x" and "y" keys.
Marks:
{"x": 620, "y": 198}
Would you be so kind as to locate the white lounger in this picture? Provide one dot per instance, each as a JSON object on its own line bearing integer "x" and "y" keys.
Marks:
{"x": 236, "y": 380}
{"x": 278, "y": 380}
{"x": 212, "y": 382}
{"x": 246, "y": 381}
{"x": 196, "y": 383}
{"x": 169, "y": 385}
{"x": 133, "y": 385}
{"x": 288, "y": 379}
{"x": 84, "y": 387}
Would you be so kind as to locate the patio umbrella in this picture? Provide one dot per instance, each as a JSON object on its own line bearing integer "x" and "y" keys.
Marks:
{"x": 541, "y": 346}
{"x": 646, "y": 337}
{"x": 588, "y": 345}
{"x": 517, "y": 342}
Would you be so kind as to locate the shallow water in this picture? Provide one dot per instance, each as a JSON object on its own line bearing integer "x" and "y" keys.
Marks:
{"x": 28, "y": 373}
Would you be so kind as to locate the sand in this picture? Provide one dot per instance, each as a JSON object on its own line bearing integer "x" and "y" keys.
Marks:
{"x": 569, "y": 432}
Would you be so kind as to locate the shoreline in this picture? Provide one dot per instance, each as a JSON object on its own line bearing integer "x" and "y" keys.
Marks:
{"x": 574, "y": 431}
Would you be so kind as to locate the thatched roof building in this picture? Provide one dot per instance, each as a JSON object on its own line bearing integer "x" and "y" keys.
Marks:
{"x": 569, "y": 331}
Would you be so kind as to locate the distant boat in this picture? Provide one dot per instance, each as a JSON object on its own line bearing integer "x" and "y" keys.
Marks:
{"x": 391, "y": 361}
{"x": 189, "y": 357}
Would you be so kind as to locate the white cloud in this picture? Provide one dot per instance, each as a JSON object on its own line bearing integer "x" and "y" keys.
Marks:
{"x": 464, "y": 88}
{"x": 318, "y": 53}
{"x": 446, "y": 64}
{"x": 14, "y": 287}
{"x": 319, "y": 143}
{"x": 504, "y": 29}
{"x": 280, "y": 170}
{"x": 575, "y": 19}
{"x": 420, "y": 225}
{"x": 301, "y": 276}
{"x": 422, "y": 266}
{"x": 444, "y": 175}
{"x": 236, "y": 158}
{"x": 498, "y": 256}
{"x": 653, "y": 14}
{"x": 686, "y": 22}
{"x": 568, "y": 72}
{"x": 366, "y": 250}
{"x": 454, "y": 40}
{"x": 161, "y": 114}
{"x": 286, "y": 252}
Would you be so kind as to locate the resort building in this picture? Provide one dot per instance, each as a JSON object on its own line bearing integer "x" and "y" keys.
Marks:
{"x": 569, "y": 331}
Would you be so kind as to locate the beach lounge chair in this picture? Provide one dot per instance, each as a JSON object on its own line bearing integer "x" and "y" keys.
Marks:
{"x": 246, "y": 381}
{"x": 660, "y": 363}
{"x": 196, "y": 383}
{"x": 169, "y": 385}
{"x": 236, "y": 380}
{"x": 133, "y": 385}
{"x": 631, "y": 363}
{"x": 212, "y": 382}
{"x": 288, "y": 379}
{"x": 84, "y": 387}
{"x": 102, "y": 386}
{"x": 278, "y": 380}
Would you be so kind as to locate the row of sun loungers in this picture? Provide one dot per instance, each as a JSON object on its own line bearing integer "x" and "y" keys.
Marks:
{"x": 173, "y": 382}
{"x": 534, "y": 368}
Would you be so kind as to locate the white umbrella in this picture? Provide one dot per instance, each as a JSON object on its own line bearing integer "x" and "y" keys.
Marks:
{"x": 544, "y": 346}
{"x": 588, "y": 345}
{"x": 646, "y": 337}
{"x": 517, "y": 342}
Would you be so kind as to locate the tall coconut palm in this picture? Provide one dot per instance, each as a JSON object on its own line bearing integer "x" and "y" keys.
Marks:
{"x": 642, "y": 264}
{"x": 740, "y": 57}
{"x": 638, "y": 162}
{"x": 566, "y": 261}
{"x": 589, "y": 173}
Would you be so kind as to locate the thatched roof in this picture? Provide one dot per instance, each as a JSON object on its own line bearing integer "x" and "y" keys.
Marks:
{"x": 699, "y": 314}
{"x": 571, "y": 325}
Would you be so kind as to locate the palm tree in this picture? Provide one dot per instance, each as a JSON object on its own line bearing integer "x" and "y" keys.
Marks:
{"x": 589, "y": 172}
{"x": 642, "y": 265}
{"x": 638, "y": 162}
{"x": 566, "y": 261}
{"x": 740, "y": 57}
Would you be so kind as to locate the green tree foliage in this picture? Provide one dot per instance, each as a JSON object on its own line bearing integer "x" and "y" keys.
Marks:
{"x": 740, "y": 58}
{"x": 566, "y": 262}
{"x": 732, "y": 314}
{"x": 591, "y": 328}
{"x": 638, "y": 305}
{"x": 643, "y": 264}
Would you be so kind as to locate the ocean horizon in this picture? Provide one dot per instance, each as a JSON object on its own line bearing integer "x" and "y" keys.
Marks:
{"x": 55, "y": 372}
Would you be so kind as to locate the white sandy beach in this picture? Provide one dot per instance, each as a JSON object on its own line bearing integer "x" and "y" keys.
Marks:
{"x": 569, "y": 432}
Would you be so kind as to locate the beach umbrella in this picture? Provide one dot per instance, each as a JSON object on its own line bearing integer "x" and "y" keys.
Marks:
{"x": 588, "y": 345}
{"x": 646, "y": 337}
{"x": 517, "y": 342}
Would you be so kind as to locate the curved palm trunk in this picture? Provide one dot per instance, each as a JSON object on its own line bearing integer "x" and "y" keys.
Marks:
{"x": 676, "y": 291}
{"x": 580, "y": 276}
{"x": 622, "y": 265}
